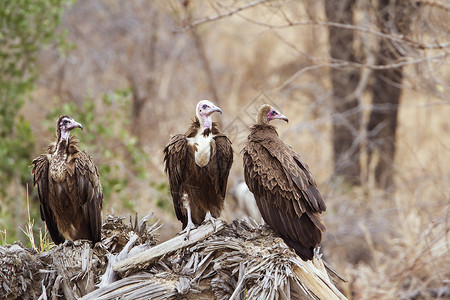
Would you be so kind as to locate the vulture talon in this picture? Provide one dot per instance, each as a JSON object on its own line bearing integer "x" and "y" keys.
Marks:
{"x": 211, "y": 219}
{"x": 187, "y": 231}
{"x": 198, "y": 164}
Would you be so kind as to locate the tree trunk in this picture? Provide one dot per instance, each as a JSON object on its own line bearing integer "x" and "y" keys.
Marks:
{"x": 200, "y": 47}
{"x": 207, "y": 69}
{"x": 346, "y": 113}
{"x": 142, "y": 79}
{"x": 393, "y": 17}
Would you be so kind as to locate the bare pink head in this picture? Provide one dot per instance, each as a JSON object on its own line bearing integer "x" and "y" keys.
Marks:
{"x": 267, "y": 113}
{"x": 204, "y": 110}
{"x": 64, "y": 125}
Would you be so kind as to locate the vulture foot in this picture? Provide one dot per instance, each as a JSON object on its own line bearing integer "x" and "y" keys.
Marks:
{"x": 211, "y": 219}
{"x": 187, "y": 230}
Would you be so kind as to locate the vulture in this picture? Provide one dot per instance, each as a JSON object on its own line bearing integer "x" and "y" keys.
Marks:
{"x": 69, "y": 188}
{"x": 198, "y": 164}
{"x": 284, "y": 189}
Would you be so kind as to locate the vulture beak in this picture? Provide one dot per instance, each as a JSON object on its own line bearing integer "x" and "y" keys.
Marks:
{"x": 284, "y": 118}
{"x": 218, "y": 110}
{"x": 273, "y": 114}
{"x": 75, "y": 124}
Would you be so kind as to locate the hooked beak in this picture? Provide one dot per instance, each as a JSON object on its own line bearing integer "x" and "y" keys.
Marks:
{"x": 75, "y": 124}
{"x": 284, "y": 118}
{"x": 216, "y": 108}
{"x": 278, "y": 116}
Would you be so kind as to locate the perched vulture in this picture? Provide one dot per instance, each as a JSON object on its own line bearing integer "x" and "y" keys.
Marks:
{"x": 198, "y": 163}
{"x": 69, "y": 188}
{"x": 284, "y": 189}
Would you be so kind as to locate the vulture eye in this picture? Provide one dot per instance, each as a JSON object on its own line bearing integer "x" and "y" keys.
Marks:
{"x": 65, "y": 122}
{"x": 204, "y": 106}
{"x": 273, "y": 113}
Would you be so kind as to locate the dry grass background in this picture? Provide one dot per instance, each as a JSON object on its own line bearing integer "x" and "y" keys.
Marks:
{"x": 388, "y": 244}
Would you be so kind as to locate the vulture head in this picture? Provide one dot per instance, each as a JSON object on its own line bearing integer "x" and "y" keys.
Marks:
{"x": 64, "y": 125}
{"x": 267, "y": 113}
{"x": 204, "y": 111}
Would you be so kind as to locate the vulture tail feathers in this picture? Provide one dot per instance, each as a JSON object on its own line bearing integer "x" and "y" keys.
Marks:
{"x": 50, "y": 222}
{"x": 95, "y": 224}
{"x": 301, "y": 234}
{"x": 305, "y": 253}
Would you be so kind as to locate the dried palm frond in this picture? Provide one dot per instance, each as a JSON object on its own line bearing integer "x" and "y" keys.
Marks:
{"x": 240, "y": 260}
{"x": 68, "y": 270}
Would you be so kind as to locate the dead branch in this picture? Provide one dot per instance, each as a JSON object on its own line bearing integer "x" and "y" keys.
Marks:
{"x": 364, "y": 29}
{"x": 220, "y": 16}
{"x": 342, "y": 64}
{"x": 436, "y": 4}
{"x": 143, "y": 259}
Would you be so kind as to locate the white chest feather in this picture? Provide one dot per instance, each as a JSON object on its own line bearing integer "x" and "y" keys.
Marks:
{"x": 202, "y": 148}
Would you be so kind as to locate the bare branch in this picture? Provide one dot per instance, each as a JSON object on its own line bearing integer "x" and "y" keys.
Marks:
{"x": 311, "y": 68}
{"x": 434, "y": 4}
{"x": 403, "y": 62}
{"x": 393, "y": 37}
{"x": 220, "y": 16}
{"x": 340, "y": 64}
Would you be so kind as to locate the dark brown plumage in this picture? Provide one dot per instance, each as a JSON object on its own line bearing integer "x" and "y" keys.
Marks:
{"x": 198, "y": 163}
{"x": 69, "y": 188}
{"x": 284, "y": 189}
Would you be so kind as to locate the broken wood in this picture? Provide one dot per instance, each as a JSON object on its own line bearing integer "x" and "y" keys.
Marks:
{"x": 317, "y": 281}
{"x": 141, "y": 260}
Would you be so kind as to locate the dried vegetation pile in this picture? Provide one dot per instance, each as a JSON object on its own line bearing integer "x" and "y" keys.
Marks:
{"x": 241, "y": 260}
{"x": 69, "y": 270}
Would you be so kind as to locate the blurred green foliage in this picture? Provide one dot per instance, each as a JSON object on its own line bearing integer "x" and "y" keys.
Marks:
{"x": 163, "y": 200}
{"x": 26, "y": 26}
{"x": 108, "y": 139}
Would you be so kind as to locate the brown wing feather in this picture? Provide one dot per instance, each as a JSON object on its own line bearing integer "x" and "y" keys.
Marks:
{"x": 40, "y": 179}
{"x": 83, "y": 177}
{"x": 175, "y": 165}
{"x": 285, "y": 191}
{"x": 224, "y": 156}
{"x": 297, "y": 179}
